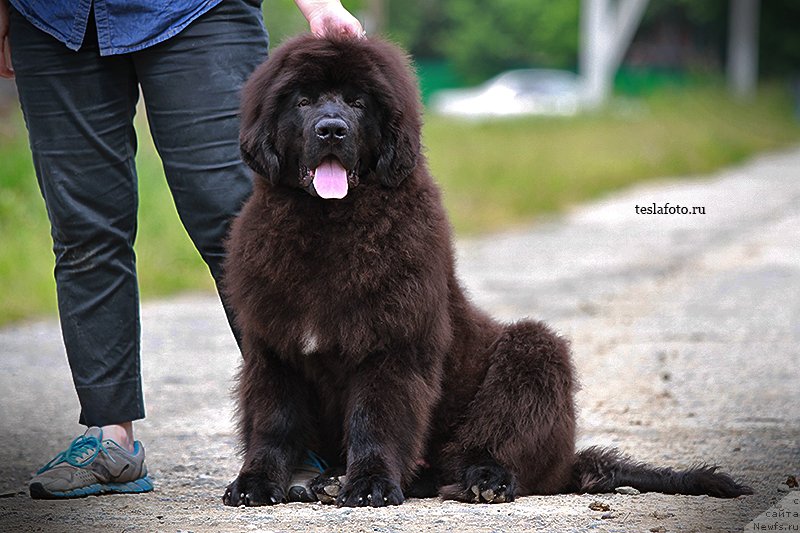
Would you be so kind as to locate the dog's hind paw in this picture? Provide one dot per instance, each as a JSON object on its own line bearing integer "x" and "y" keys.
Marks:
{"x": 487, "y": 483}
{"x": 327, "y": 487}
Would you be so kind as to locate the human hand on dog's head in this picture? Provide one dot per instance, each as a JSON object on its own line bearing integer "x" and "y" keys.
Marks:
{"x": 329, "y": 17}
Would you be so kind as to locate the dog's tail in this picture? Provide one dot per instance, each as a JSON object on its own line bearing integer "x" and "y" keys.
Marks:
{"x": 604, "y": 469}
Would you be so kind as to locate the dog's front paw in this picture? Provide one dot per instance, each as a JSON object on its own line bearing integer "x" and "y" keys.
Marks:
{"x": 253, "y": 490}
{"x": 327, "y": 487}
{"x": 488, "y": 483}
{"x": 374, "y": 491}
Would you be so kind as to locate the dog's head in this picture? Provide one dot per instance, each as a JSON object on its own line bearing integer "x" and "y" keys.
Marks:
{"x": 324, "y": 114}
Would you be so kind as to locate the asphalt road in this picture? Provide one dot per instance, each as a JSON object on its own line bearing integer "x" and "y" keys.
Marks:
{"x": 684, "y": 328}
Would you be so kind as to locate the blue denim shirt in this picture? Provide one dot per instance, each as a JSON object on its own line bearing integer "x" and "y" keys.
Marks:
{"x": 122, "y": 25}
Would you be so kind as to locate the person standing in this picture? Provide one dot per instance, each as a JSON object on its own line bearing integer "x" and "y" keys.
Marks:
{"x": 79, "y": 68}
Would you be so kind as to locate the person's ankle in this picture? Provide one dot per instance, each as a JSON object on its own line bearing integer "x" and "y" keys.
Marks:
{"x": 122, "y": 434}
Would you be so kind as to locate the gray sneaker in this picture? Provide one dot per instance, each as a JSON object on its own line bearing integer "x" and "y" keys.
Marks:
{"x": 89, "y": 466}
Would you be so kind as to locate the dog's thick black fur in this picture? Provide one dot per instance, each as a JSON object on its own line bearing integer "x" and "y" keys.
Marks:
{"x": 358, "y": 340}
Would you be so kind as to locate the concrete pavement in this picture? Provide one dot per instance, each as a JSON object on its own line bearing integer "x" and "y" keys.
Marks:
{"x": 685, "y": 332}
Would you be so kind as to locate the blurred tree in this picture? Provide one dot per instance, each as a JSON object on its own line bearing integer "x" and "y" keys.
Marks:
{"x": 419, "y": 25}
{"x": 482, "y": 39}
{"x": 707, "y": 24}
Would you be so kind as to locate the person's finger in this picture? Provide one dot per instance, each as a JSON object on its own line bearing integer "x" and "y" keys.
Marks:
{"x": 6, "y": 70}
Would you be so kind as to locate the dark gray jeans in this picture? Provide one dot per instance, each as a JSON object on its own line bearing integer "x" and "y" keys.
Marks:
{"x": 79, "y": 110}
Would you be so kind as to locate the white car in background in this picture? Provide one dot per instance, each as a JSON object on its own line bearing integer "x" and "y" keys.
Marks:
{"x": 515, "y": 93}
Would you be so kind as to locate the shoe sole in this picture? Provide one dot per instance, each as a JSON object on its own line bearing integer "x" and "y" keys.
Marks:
{"x": 38, "y": 492}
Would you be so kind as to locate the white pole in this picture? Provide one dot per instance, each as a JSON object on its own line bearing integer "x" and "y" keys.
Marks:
{"x": 629, "y": 15}
{"x": 593, "y": 50}
{"x": 743, "y": 48}
{"x": 607, "y": 29}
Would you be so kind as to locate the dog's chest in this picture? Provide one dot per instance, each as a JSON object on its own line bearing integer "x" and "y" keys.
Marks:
{"x": 340, "y": 280}
{"x": 309, "y": 342}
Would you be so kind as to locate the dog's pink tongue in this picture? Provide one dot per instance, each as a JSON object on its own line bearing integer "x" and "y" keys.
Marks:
{"x": 330, "y": 179}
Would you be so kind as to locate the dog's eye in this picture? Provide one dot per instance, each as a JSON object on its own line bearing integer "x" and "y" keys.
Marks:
{"x": 358, "y": 103}
{"x": 303, "y": 102}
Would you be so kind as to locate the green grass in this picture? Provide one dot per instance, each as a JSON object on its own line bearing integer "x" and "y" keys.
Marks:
{"x": 494, "y": 175}
{"x": 26, "y": 262}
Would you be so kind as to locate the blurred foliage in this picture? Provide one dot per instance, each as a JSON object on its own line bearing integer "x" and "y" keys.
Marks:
{"x": 481, "y": 39}
{"x": 779, "y": 40}
{"x": 418, "y": 24}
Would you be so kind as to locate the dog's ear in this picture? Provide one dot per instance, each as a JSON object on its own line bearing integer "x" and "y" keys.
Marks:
{"x": 258, "y": 152}
{"x": 256, "y": 143}
{"x": 398, "y": 150}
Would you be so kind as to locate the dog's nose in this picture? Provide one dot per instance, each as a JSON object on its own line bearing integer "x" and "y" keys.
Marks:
{"x": 331, "y": 129}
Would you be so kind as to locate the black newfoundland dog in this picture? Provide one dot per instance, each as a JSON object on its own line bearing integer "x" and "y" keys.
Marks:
{"x": 358, "y": 340}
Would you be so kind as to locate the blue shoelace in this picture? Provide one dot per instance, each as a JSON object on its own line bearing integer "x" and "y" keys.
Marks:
{"x": 315, "y": 461}
{"x": 73, "y": 455}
